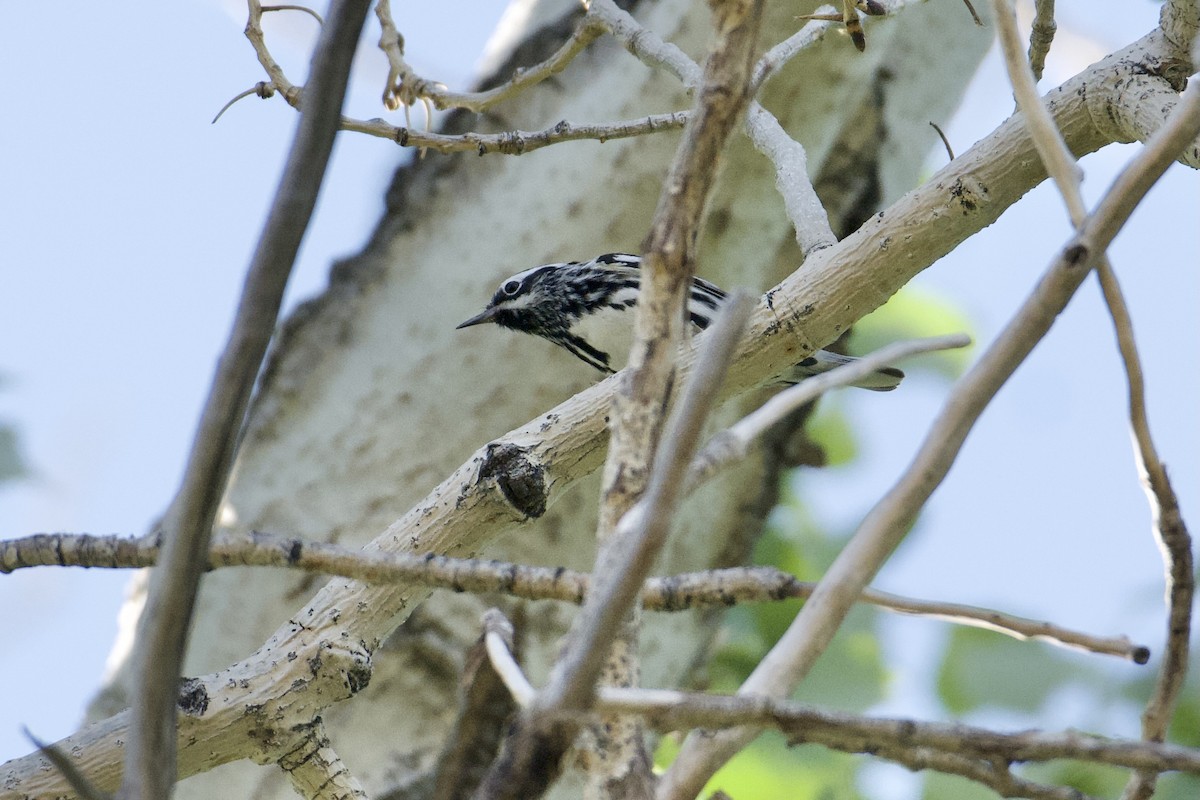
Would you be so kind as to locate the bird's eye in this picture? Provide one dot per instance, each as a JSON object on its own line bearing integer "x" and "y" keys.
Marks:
{"x": 511, "y": 287}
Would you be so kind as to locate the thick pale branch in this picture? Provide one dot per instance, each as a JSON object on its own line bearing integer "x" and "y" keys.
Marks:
{"x": 804, "y": 209}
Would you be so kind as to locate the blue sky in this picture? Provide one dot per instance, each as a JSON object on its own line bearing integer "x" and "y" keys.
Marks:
{"x": 129, "y": 220}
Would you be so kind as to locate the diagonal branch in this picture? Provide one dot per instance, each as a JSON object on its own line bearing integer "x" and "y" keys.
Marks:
{"x": 150, "y": 756}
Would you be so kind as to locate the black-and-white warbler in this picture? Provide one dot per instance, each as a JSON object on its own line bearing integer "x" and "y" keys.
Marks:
{"x": 584, "y": 306}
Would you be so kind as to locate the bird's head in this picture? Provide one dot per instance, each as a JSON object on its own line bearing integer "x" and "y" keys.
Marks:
{"x": 523, "y": 302}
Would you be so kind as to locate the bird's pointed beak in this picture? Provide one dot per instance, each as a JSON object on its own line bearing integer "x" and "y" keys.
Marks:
{"x": 487, "y": 315}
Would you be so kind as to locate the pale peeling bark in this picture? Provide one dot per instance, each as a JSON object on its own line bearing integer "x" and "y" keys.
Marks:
{"x": 373, "y": 398}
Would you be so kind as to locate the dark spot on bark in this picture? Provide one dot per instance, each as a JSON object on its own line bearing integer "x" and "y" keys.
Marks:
{"x": 193, "y": 697}
{"x": 522, "y": 482}
{"x": 1075, "y": 255}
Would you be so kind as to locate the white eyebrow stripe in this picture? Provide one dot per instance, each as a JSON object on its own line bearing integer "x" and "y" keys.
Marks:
{"x": 521, "y": 276}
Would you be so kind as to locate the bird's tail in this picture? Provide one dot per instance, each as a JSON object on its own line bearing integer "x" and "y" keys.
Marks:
{"x": 881, "y": 380}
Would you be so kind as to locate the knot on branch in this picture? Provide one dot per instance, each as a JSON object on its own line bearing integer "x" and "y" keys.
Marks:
{"x": 521, "y": 480}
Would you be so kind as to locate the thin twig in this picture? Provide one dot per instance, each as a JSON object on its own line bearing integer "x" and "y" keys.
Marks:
{"x": 275, "y": 74}
{"x": 995, "y": 774}
{"x": 775, "y": 59}
{"x": 671, "y": 710}
{"x": 289, "y": 7}
{"x": 162, "y": 636}
{"x": 589, "y": 29}
{"x": 1055, "y": 155}
{"x": 497, "y": 638}
{"x": 516, "y": 142}
{"x": 262, "y": 89}
{"x": 945, "y": 141}
{"x": 672, "y": 593}
{"x": 974, "y": 13}
{"x": 1171, "y": 533}
{"x": 1169, "y": 528}
{"x": 1179, "y": 132}
{"x": 1041, "y": 36}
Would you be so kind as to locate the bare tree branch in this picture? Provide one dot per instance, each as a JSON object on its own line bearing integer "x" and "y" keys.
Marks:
{"x": 672, "y": 593}
{"x": 1041, "y": 36}
{"x": 995, "y": 774}
{"x": 316, "y": 772}
{"x": 642, "y": 532}
{"x": 150, "y": 753}
{"x": 515, "y": 143}
{"x": 498, "y": 637}
{"x": 1172, "y": 536}
{"x": 1170, "y": 530}
{"x": 669, "y": 709}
